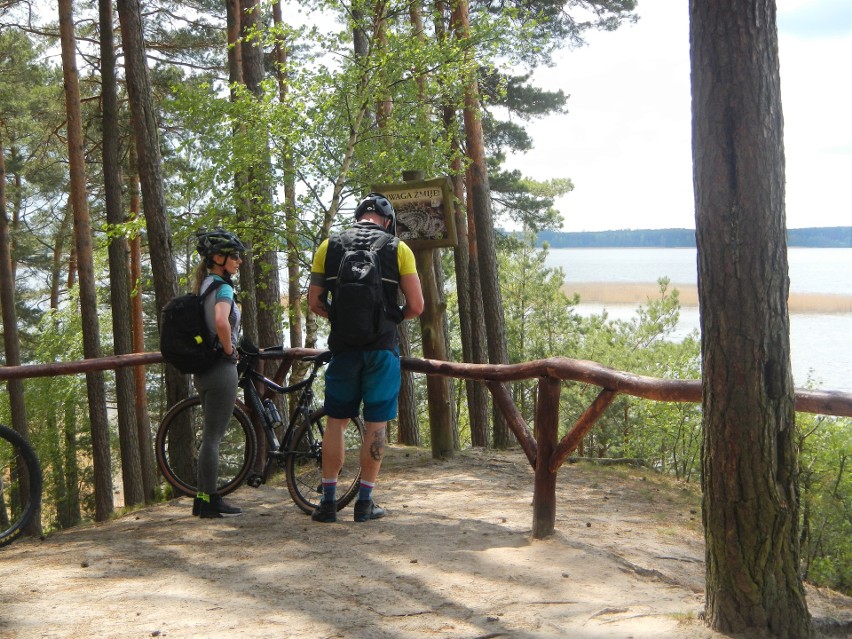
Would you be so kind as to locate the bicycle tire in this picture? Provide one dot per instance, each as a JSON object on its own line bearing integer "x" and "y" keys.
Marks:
{"x": 304, "y": 463}
{"x": 177, "y": 452}
{"x": 19, "y": 501}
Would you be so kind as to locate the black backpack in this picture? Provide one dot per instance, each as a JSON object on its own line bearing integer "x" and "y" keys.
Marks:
{"x": 358, "y": 307}
{"x": 185, "y": 340}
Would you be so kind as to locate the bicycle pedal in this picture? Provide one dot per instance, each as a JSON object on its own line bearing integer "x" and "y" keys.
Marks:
{"x": 254, "y": 480}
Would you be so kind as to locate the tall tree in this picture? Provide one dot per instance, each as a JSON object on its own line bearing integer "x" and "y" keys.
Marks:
{"x": 98, "y": 421}
{"x": 473, "y": 340}
{"x": 267, "y": 289}
{"x": 479, "y": 202}
{"x": 119, "y": 266}
{"x": 149, "y": 164}
{"x": 143, "y": 420}
{"x": 291, "y": 215}
{"x": 11, "y": 345}
{"x": 749, "y": 461}
{"x": 27, "y": 102}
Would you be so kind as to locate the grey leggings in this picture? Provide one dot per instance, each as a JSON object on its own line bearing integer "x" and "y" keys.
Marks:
{"x": 218, "y": 391}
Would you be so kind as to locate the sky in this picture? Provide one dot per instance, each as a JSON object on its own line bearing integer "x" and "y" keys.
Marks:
{"x": 626, "y": 139}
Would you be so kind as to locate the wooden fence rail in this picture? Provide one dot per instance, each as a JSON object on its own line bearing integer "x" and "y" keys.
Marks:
{"x": 545, "y": 452}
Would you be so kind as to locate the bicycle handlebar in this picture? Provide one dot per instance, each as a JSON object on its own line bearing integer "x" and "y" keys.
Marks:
{"x": 247, "y": 348}
{"x": 250, "y": 352}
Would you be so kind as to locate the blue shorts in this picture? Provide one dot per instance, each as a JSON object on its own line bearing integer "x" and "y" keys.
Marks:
{"x": 371, "y": 377}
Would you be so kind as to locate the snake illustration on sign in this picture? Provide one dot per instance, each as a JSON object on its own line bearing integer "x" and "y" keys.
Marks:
{"x": 424, "y": 212}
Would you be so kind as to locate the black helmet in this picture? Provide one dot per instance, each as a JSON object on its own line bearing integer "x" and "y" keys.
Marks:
{"x": 377, "y": 203}
{"x": 218, "y": 241}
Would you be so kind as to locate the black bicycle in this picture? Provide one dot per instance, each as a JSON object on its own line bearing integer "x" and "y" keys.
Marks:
{"x": 252, "y": 448}
{"x": 20, "y": 485}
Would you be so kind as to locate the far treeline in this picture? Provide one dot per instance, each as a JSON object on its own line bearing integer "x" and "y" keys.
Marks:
{"x": 815, "y": 237}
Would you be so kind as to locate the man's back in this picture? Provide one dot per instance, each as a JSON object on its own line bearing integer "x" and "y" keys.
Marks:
{"x": 362, "y": 276}
{"x": 398, "y": 272}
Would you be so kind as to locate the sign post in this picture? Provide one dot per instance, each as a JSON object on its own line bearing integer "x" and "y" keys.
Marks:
{"x": 425, "y": 220}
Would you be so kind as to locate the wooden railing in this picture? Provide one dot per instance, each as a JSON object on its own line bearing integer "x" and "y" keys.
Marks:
{"x": 544, "y": 450}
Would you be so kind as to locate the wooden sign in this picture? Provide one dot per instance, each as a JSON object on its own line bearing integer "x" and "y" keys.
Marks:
{"x": 424, "y": 212}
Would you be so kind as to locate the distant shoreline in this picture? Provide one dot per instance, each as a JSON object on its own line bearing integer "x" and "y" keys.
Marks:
{"x": 640, "y": 292}
{"x": 812, "y": 237}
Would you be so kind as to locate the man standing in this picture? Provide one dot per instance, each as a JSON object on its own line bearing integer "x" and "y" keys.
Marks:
{"x": 365, "y": 359}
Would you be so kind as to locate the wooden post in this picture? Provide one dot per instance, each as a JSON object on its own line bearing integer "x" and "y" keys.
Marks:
{"x": 547, "y": 431}
{"x": 434, "y": 347}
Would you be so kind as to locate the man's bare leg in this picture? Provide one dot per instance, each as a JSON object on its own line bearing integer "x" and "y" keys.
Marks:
{"x": 372, "y": 452}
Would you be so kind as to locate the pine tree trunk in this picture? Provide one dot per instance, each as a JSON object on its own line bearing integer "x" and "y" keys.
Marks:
{"x": 469, "y": 298}
{"x": 749, "y": 459}
{"x": 408, "y": 427}
{"x": 119, "y": 268}
{"x": 479, "y": 204}
{"x": 143, "y": 419}
{"x": 477, "y": 402}
{"x": 98, "y": 421}
{"x": 70, "y": 466}
{"x": 291, "y": 216}
{"x": 445, "y": 330}
{"x": 248, "y": 295}
{"x": 149, "y": 164}
{"x": 264, "y": 267}
{"x": 11, "y": 342}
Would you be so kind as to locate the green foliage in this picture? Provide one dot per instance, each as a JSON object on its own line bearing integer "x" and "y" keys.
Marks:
{"x": 541, "y": 28}
{"x": 540, "y": 320}
{"x": 522, "y": 200}
{"x": 666, "y": 436}
{"x": 825, "y": 482}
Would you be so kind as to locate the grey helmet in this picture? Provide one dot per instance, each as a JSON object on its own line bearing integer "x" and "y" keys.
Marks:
{"x": 377, "y": 203}
{"x": 218, "y": 241}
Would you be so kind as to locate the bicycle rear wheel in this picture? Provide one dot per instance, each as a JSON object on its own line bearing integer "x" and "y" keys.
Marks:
{"x": 179, "y": 439}
{"x": 20, "y": 485}
{"x": 304, "y": 463}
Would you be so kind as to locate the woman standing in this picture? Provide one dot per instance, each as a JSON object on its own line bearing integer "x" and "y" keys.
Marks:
{"x": 221, "y": 253}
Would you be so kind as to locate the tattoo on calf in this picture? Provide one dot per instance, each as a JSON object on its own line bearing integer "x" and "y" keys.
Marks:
{"x": 377, "y": 447}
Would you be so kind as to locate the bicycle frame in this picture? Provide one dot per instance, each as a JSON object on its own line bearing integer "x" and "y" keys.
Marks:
{"x": 276, "y": 450}
{"x": 251, "y": 442}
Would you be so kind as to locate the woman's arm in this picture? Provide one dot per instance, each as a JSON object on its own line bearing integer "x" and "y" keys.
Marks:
{"x": 222, "y": 312}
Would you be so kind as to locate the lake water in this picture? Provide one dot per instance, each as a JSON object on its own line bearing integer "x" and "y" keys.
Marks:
{"x": 821, "y": 343}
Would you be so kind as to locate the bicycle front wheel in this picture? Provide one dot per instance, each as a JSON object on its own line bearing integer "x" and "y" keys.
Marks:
{"x": 179, "y": 440}
{"x": 304, "y": 463}
{"x": 20, "y": 485}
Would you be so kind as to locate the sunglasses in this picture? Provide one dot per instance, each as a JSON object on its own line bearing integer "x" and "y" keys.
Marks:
{"x": 235, "y": 256}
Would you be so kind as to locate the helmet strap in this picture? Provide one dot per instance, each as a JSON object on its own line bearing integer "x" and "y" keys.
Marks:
{"x": 212, "y": 262}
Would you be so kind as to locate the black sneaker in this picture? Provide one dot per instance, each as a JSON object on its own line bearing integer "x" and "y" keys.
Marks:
{"x": 326, "y": 512}
{"x": 367, "y": 509}
{"x": 216, "y": 508}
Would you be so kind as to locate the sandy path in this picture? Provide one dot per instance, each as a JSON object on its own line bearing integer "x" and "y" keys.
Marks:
{"x": 453, "y": 559}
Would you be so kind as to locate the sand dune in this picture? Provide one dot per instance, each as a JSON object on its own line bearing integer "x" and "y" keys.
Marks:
{"x": 639, "y": 292}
